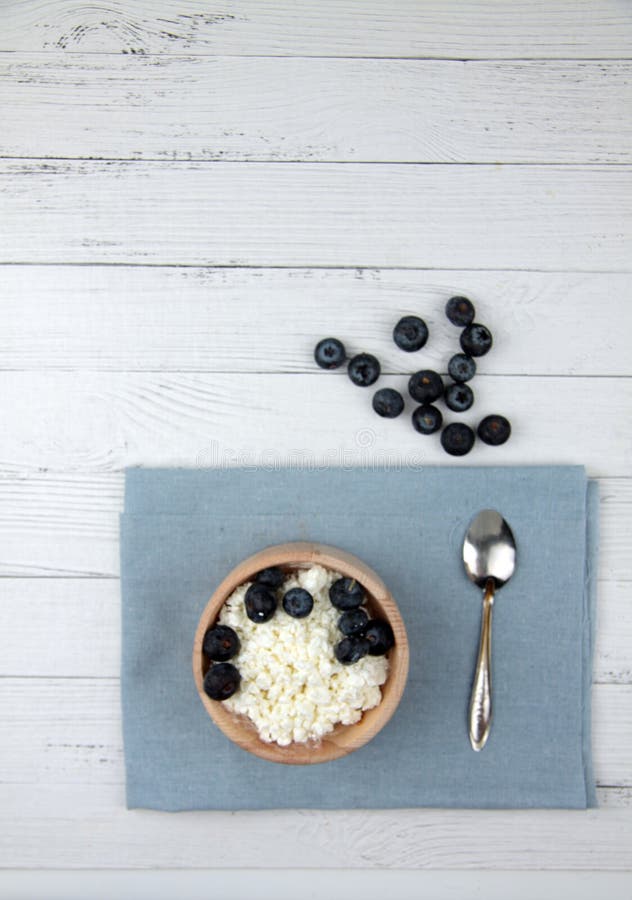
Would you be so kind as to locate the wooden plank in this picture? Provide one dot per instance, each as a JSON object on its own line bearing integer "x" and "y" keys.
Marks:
{"x": 331, "y": 110}
{"x": 67, "y": 825}
{"x": 83, "y": 614}
{"x": 96, "y": 422}
{"x": 60, "y": 526}
{"x": 136, "y": 318}
{"x": 287, "y": 884}
{"x": 563, "y": 28}
{"x": 551, "y": 218}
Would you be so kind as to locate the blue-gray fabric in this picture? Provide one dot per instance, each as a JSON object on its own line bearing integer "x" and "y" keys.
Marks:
{"x": 183, "y": 530}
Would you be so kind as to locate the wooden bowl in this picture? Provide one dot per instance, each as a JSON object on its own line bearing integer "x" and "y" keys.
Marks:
{"x": 344, "y": 738}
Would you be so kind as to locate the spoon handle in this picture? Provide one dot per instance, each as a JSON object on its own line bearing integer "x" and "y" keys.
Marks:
{"x": 480, "y": 717}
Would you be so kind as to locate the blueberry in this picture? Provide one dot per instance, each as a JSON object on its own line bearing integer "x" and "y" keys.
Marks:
{"x": 260, "y": 603}
{"x": 457, "y": 439}
{"x": 458, "y": 397}
{"x": 298, "y": 603}
{"x": 220, "y": 643}
{"x": 380, "y": 636}
{"x": 425, "y": 386}
{"x": 353, "y": 622}
{"x": 461, "y": 367}
{"x": 364, "y": 369}
{"x": 476, "y": 340}
{"x": 221, "y": 681}
{"x": 346, "y": 593}
{"x": 330, "y": 353}
{"x": 351, "y": 649}
{"x": 271, "y": 577}
{"x": 410, "y": 333}
{"x": 460, "y": 311}
{"x": 388, "y": 403}
{"x": 427, "y": 419}
{"x": 494, "y": 430}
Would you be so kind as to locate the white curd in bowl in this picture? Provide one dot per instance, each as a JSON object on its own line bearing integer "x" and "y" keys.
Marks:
{"x": 293, "y": 688}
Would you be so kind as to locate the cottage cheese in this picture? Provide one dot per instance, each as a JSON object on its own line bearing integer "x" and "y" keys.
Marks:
{"x": 293, "y": 688}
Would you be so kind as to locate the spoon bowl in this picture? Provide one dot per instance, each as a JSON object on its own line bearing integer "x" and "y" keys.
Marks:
{"x": 489, "y": 549}
{"x": 489, "y": 557}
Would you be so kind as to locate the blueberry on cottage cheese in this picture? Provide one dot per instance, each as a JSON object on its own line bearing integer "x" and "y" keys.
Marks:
{"x": 260, "y": 603}
{"x": 457, "y": 439}
{"x": 410, "y": 333}
{"x": 476, "y": 340}
{"x": 298, "y": 603}
{"x": 293, "y": 689}
{"x": 461, "y": 367}
{"x": 352, "y": 622}
{"x": 364, "y": 369}
{"x": 388, "y": 403}
{"x": 425, "y": 386}
{"x": 221, "y": 681}
{"x": 351, "y": 649}
{"x": 346, "y": 593}
{"x": 458, "y": 397}
{"x": 427, "y": 419}
{"x": 272, "y": 577}
{"x": 494, "y": 430}
{"x": 460, "y": 311}
{"x": 220, "y": 643}
{"x": 330, "y": 353}
{"x": 380, "y": 636}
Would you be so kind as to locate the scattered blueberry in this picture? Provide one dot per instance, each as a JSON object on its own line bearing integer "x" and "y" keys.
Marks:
{"x": 494, "y": 430}
{"x": 364, "y": 369}
{"x": 298, "y": 603}
{"x": 388, "y": 403}
{"x": 457, "y": 439}
{"x": 272, "y": 577}
{"x": 353, "y": 622}
{"x": 380, "y": 636}
{"x": 260, "y": 603}
{"x": 220, "y": 643}
{"x": 346, "y": 593}
{"x": 476, "y": 340}
{"x": 461, "y": 367}
{"x": 330, "y": 353}
{"x": 427, "y": 419}
{"x": 425, "y": 386}
{"x": 351, "y": 649}
{"x": 410, "y": 333}
{"x": 221, "y": 681}
{"x": 458, "y": 397}
{"x": 460, "y": 311}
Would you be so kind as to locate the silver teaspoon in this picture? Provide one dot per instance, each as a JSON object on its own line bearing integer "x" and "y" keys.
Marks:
{"x": 489, "y": 556}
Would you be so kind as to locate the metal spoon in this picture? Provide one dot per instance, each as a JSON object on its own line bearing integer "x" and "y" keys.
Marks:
{"x": 489, "y": 556}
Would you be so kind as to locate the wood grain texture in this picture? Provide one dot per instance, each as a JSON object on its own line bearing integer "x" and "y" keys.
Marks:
{"x": 332, "y": 110}
{"x": 283, "y": 214}
{"x": 68, "y": 826}
{"x": 134, "y": 318}
{"x": 104, "y": 421}
{"x": 562, "y": 28}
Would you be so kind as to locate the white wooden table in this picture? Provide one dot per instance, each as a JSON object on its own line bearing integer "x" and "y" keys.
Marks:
{"x": 192, "y": 193}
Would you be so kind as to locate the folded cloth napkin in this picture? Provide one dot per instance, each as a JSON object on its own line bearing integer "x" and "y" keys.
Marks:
{"x": 183, "y": 530}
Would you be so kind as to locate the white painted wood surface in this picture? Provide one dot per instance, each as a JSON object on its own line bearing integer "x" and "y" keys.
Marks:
{"x": 460, "y": 29}
{"x": 317, "y": 214}
{"x": 189, "y": 198}
{"x": 333, "y": 110}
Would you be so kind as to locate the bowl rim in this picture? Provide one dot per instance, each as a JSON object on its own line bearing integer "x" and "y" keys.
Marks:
{"x": 343, "y": 739}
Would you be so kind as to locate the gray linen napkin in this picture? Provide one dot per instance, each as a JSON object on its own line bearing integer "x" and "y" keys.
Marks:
{"x": 183, "y": 530}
